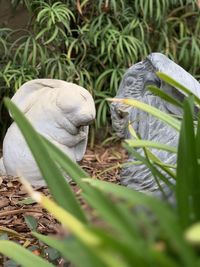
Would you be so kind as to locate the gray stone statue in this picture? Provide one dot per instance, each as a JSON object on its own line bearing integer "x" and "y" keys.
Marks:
{"x": 133, "y": 85}
{"x": 61, "y": 112}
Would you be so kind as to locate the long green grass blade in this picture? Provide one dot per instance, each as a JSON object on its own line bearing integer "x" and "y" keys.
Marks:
{"x": 198, "y": 143}
{"x": 127, "y": 253}
{"x": 151, "y": 144}
{"x": 155, "y": 90}
{"x": 120, "y": 218}
{"x": 176, "y": 84}
{"x": 122, "y": 250}
{"x": 57, "y": 184}
{"x": 112, "y": 214}
{"x": 151, "y": 110}
{"x": 71, "y": 167}
{"x": 188, "y": 181}
{"x": 167, "y": 168}
{"x": 21, "y": 255}
{"x": 157, "y": 174}
{"x": 80, "y": 230}
{"x": 151, "y": 156}
{"x": 198, "y": 140}
{"x": 115, "y": 215}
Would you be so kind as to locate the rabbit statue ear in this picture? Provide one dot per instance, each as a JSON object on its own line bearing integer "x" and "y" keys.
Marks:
{"x": 28, "y": 93}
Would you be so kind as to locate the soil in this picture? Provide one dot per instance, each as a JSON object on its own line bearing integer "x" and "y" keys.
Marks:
{"x": 102, "y": 162}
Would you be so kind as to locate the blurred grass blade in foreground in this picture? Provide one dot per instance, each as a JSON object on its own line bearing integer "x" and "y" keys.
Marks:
{"x": 188, "y": 176}
{"x": 80, "y": 230}
{"x": 167, "y": 218}
{"x": 72, "y": 250}
{"x": 151, "y": 144}
{"x": 21, "y": 255}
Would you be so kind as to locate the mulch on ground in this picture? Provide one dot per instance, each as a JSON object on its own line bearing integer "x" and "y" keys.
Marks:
{"x": 102, "y": 162}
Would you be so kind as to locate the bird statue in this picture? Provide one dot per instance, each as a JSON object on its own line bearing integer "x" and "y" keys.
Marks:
{"x": 58, "y": 110}
{"x": 134, "y": 85}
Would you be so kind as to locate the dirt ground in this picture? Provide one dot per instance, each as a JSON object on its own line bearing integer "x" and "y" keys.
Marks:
{"x": 16, "y": 208}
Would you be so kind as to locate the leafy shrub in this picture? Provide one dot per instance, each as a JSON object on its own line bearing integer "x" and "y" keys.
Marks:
{"x": 139, "y": 230}
{"x": 93, "y": 43}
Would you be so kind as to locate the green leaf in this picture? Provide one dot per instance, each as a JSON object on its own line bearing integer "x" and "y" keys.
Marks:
{"x": 157, "y": 174}
{"x": 53, "y": 36}
{"x": 52, "y": 253}
{"x": 56, "y": 182}
{"x": 176, "y": 84}
{"x": 80, "y": 230}
{"x": 21, "y": 255}
{"x": 151, "y": 156}
{"x": 119, "y": 217}
{"x": 147, "y": 143}
{"x": 26, "y": 201}
{"x": 198, "y": 141}
{"x": 68, "y": 165}
{"x": 156, "y": 91}
{"x": 31, "y": 222}
{"x": 115, "y": 215}
{"x": 188, "y": 181}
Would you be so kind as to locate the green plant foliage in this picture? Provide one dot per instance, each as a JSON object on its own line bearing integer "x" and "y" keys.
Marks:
{"x": 92, "y": 43}
{"x": 188, "y": 182}
{"x": 21, "y": 255}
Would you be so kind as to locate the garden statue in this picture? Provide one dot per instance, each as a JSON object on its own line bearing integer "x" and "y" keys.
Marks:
{"x": 134, "y": 85}
{"x": 58, "y": 110}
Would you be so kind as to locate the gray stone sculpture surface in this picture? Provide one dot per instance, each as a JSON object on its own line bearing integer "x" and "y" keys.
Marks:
{"x": 60, "y": 111}
{"x": 133, "y": 85}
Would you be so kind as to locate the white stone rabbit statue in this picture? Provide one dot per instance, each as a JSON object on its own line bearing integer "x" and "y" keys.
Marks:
{"x": 58, "y": 110}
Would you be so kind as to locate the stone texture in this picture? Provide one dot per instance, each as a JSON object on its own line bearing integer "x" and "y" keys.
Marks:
{"x": 133, "y": 85}
{"x": 60, "y": 111}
